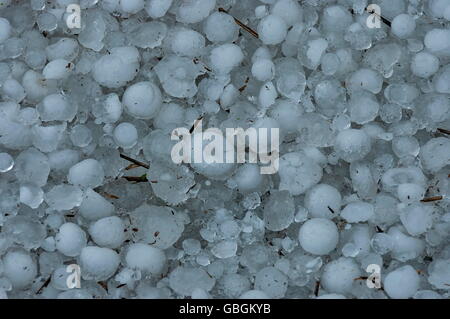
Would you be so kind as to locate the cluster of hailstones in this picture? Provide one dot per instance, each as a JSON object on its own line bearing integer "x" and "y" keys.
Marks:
{"x": 86, "y": 177}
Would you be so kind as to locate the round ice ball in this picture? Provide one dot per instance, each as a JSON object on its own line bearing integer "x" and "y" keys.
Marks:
{"x": 339, "y": 275}
{"x": 70, "y": 239}
{"x": 194, "y": 11}
{"x": 142, "y": 100}
{"x": 272, "y": 282}
{"x": 87, "y": 173}
{"x": 352, "y": 145}
{"x": 263, "y": 70}
{"x": 98, "y": 263}
{"x": 221, "y": 27}
{"x": 323, "y": 201}
{"x": 403, "y": 26}
{"x": 185, "y": 279}
{"x": 298, "y": 173}
{"x": 19, "y": 267}
{"x": 318, "y": 236}
{"x": 289, "y": 10}
{"x": 402, "y": 283}
{"x": 424, "y": 64}
{"x": 272, "y": 29}
{"x": 108, "y": 232}
{"x": 248, "y": 178}
{"x": 81, "y": 135}
{"x": 226, "y": 57}
{"x": 147, "y": 259}
{"x": 58, "y": 69}
{"x": 125, "y": 135}
{"x": 157, "y": 8}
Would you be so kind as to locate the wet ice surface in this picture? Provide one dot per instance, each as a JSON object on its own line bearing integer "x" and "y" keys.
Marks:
{"x": 363, "y": 180}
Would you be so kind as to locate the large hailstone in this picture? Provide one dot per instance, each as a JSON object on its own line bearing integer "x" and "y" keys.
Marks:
{"x": 225, "y": 58}
{"x": 193, "y": 11}
{"x": 98, "y": 263}
{"x": 352, "y": 145}
{"x": 435, "y": 154}
{"x": 142, "y": 100}
{"x": 177, "y": 76}
{"x": 116, "y": 68}
{"x": 272, "y": 29}
{"x": 171, "y": 182}
{"x": 298, "y": 173}
{"x": 156, "y": 225}
{"x": 318, "y": 236}
{"x": 19, "y": 268}
{"x": 87, "y": 173}
{"x": 108, "y": 232}
{"x": 185, "y": 42}
{"x": 279, "y": 211}
{"x": 149, "y": 260}
{"x": 339, "y": 275}
{"x": 148, "y": 35}
{"x": 184, "y": 279}
{"x": 402, "y": 283}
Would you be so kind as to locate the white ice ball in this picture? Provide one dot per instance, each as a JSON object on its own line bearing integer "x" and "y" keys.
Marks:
{"x": 58, "y": 69}
{"x": 194, "y": 11}
{"x": 289, "y": 10}
{"x": 263, "y": 70}
{"x": 403, "y": 26}
{"x": 221, "y": 27}
{"x": 87, "y": 173}
{"x": 225, "y": 58}
{"x": 125, "y": 135}
{"x": 70, "y": 239}
{"x": 272, "y": 29}
{"x": 402, "y": 283}
{"x": 323, "y": 201}
{"x": 157, "y": 8}
{"x": 352, "y": 145}
{"x": 339, "y": 275}
{"x": 142, "y": 100}
{"x": 424, "y": 64}
{"x": 19, "y": 267}
{"x": 271, "y": 281}
{"x": 318, "y": 236}
{"x": 94, "y": 206}
{"x": 108, "y": 232}
{"x": 98, "y": 263}
{"x": 147, "y": 259}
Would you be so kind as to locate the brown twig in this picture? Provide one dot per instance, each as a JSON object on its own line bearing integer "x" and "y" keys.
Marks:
{"x": 136, "y": 179}
{"x": 386, "y": 21}
{"x": 444, "y": 131}
{"x": 242, "y": 25}
{"x": 134, "y": 161}
{"x": 46, "y": 283}
{"x": 432, "y": 199}
{"x": 317, "y": 288}
{"x": 110, "y": 196}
